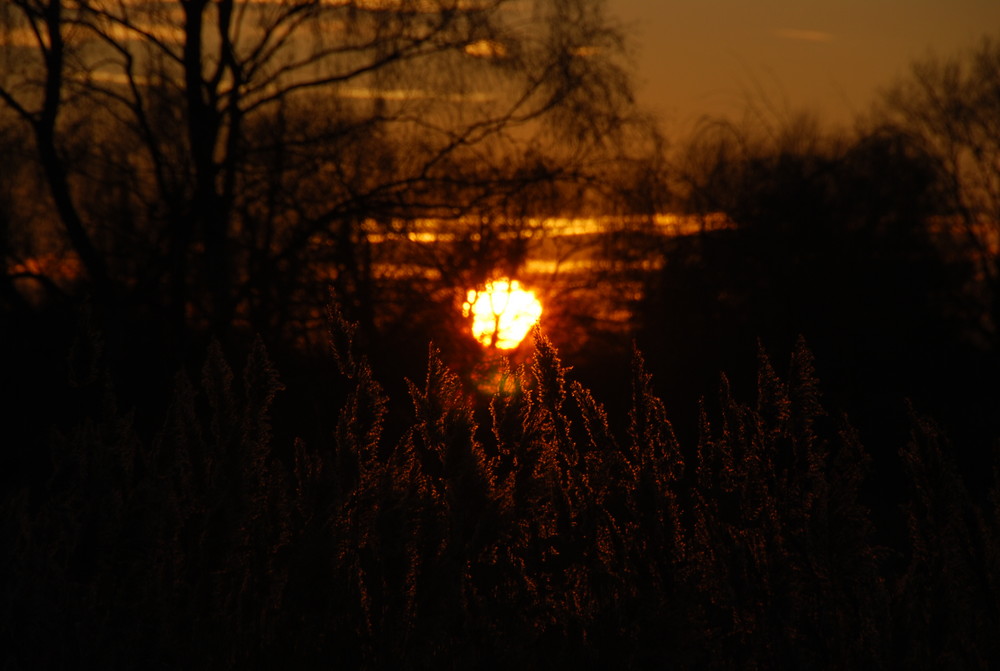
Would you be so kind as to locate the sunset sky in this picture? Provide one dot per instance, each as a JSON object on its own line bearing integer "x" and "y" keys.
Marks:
{"x": 831, "y": 56}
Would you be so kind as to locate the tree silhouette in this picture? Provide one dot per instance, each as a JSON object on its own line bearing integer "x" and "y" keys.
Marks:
{"x": 949, "y": 105}
{"x": 222, "y": 161}
{"x": 835, "y": 237}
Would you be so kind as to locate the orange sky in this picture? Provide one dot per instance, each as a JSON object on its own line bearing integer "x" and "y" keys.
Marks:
{"x": 830, "y": 56}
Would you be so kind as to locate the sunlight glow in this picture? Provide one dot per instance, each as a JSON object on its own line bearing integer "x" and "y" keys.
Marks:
{"x": 486, "y": 49}
{"x": 397, "y": 95}
{"x": 502, "y": 313}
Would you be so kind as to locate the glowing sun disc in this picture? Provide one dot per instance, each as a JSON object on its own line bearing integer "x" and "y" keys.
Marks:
{"x": 502, "y": 313}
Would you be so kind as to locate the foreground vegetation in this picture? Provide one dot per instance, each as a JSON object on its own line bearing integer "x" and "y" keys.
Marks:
{"x": 514, "y": 532}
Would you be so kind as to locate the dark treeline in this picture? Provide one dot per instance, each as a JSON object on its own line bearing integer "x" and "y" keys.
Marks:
{"x": 201, "y": 468}
{"x": 833, "y": 245}
{"x": 524, "y": 534}
{"x": 878, "y": 245}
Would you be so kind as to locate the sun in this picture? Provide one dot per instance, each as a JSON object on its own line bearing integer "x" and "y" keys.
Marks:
{"x": 502, "y": 313}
